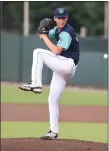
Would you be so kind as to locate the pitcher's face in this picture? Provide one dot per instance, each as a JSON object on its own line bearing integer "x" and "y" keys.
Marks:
{"x": 61, "y": 22}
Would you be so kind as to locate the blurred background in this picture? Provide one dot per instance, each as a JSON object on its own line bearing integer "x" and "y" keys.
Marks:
{"x": 19, "y": 22}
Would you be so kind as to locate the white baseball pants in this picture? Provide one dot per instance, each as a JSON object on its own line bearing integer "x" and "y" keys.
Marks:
{"x": 63, "y": 69}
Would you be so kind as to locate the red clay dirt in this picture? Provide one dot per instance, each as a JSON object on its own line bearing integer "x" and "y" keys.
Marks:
{"x": 30, "y": 112}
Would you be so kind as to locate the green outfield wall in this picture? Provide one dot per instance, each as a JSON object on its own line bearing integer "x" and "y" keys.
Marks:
{"x": 16, "y": 60}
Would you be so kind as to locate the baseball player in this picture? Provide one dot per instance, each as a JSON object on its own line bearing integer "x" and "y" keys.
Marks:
{"x": 62, "y": 59}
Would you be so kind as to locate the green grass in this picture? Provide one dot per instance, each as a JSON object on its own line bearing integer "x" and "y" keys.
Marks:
{"x": 11, "y": 94}
{"x": 95, "y": 132}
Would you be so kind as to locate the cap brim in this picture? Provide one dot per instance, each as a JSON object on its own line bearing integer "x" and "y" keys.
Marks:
{"x": 60, "y": 16}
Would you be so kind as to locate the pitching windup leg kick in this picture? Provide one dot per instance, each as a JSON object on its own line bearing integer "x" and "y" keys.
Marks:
{"x": 63, "y": 69}
{"x": 62, "y": 59}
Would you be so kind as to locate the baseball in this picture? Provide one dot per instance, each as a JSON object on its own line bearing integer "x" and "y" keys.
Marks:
{"x": 105, "y": 56}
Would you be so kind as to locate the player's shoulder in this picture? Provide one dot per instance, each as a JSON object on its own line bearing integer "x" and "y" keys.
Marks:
{"x": 69, "y": 29}
{"x": 64, "y": 34}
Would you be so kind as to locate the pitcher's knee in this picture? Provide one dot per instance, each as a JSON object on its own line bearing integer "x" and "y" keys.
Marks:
{"x": 35, "y": 51}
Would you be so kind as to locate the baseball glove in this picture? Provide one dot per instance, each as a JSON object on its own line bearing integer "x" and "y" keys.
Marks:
{"x": 45, "y": 25}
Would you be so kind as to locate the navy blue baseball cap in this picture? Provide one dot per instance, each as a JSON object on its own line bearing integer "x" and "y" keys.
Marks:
{"x": 60, "y": 12}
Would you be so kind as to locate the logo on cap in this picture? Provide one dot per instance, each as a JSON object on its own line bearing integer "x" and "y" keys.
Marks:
{"x": 61, "y": 11}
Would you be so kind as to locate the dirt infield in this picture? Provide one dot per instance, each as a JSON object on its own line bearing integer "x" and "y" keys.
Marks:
{"x": 33, "y": 112}
{"x": 30, "y": 112}
{"x": 55, "y": 145}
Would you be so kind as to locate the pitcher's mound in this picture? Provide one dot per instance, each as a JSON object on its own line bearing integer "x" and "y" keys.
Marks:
{"x": 33, "y": 144}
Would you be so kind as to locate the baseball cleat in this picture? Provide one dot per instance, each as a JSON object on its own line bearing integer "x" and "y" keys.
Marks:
{"x": 37, "y": 89}
{"x": 29, "y": 87}
{"x": 50, "y": 136}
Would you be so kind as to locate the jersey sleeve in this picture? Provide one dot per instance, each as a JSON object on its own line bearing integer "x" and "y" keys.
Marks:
{"x": 65, "y": 40}
{"x": 51, "y": 34}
